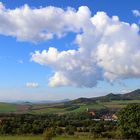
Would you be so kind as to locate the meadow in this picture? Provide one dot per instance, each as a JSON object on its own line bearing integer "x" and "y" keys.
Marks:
{"x": 63, "y": 107}
{"x": 7, "y": 107}
{"x": 41, "y": 138}
{"x": 21, "y": 138}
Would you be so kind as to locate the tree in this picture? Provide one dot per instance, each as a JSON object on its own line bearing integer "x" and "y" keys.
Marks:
{"x": 48, "y": 134}
{"x": 129, "y": 121}
{"x": 70, "y": 130}
{"x": 99, "y": 127}
{"x": 58, "y": 131}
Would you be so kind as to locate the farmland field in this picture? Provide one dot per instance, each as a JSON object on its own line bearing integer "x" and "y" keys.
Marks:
{"x": 63, "y": 107}
{"x": 6, "y": 107}
{"x": 56, "y": 109}
{"x": 117, "y": 104}
{"x": 41, "y": 138}
{"x": 21, "y": 138}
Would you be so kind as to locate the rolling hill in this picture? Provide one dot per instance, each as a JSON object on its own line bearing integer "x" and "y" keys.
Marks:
{"x": 110, "y": 101}
{"x": 134, "y": 95}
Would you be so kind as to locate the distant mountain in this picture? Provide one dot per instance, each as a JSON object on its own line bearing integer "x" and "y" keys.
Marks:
{"x": 108, "y": 97}
{"x": 37, "y": 102}
{"x": 82, "y": 100}
{"x": 50, "y": 101}
{"x": 134, "y": 95}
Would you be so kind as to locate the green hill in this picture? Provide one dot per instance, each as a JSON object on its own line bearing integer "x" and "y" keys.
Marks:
{"x": 110, "y": 101}
{"x": 134, "y": 95}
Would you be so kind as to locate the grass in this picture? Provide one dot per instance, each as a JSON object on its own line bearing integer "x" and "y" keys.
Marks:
{"x": 56, "y": 109}
{"x": 6, "y": 107}
{"x": 41, "y": 138}
{"x": 70, "y": 138}
{"x": 21, "y": 138}
{"x": 125, "y": 102}
{"x": 61, "y": 108}
{"x": 48, "y": 110}
{"x": 90, "y": 106}
{"x": 116, "y": 104}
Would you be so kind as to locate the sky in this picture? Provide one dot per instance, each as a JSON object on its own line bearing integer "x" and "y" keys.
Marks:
{"x": 66, "y": 49}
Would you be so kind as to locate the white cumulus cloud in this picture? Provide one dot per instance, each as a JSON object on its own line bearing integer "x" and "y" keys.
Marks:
{"x": 32, "y": 85}
{"x": 136, "y": 13}
{"x": 108, "y": 49}
{"x": 40, "y": 24}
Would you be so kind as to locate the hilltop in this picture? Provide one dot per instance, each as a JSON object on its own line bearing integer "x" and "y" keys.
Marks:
{"x": 133, "y": 95}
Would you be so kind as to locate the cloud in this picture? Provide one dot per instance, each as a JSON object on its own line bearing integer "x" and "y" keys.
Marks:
{"x": 71, "y": 67}
{"x": 108, "y": 49}
{"x": 118, "y": 51}
{"x": 124, "y": 91}
{"x": 32, "y": 85}
{"x": 136, "y": 13}
{"x": 40, "y": 24}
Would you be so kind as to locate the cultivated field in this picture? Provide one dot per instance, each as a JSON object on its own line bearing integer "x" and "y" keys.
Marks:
{"x": 7, "y": 107}
{"x": 78, "y": 107}
{"x": 63, "y": 107}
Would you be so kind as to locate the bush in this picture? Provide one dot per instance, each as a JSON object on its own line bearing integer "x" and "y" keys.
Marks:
{"x": 48, "y": 134}
{"x": 58, "y": 131}
{"x": 70, "y": 130}
{"x": 129, "y": 121}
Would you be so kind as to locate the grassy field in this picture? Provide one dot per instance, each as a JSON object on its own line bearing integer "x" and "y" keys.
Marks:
{"x": 5, "y": 107}
{"x": 69, "y": 138}
{"x": 41, "y": 138}
{"x": 58, "y": 109}
{"x": 21, "y": 138}
{"x": 61, "y": 107}
{"x": 117, "y": 104}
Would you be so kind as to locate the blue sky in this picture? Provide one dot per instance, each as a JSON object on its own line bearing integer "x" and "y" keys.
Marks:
{"x": 23, "y": 79}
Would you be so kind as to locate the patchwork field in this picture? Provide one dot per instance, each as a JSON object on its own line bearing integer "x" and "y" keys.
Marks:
{"x": 78, "y": 107}
{"x": 63, "y": 107}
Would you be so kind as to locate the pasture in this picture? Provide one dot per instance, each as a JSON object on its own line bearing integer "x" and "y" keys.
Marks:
{"x": 7, "y": 107}
{"x": 41, "y": 138}
{"x": 63, "y": 107}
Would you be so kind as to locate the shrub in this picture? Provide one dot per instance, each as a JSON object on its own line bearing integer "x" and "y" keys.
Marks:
{"x": 48, "y": 134}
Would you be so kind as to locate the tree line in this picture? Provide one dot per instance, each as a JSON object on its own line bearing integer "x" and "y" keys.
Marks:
{"x": 127, "y": 125}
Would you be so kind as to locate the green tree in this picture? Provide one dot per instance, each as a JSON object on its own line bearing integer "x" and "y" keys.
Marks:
{"x": 129, "y": 121}
{"x": 48, "y": 134}
{"x": 58, "y": 131}
{"x": 70, "y": 130}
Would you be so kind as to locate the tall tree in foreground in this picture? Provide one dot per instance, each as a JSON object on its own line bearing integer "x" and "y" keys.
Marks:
{"x": 129, "y": 121}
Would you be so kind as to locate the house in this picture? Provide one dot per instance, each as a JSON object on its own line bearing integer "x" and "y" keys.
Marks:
{"x": 90, "y": 111}
{"x": 109, "y": 117}
{"x": 114, "y": 117}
